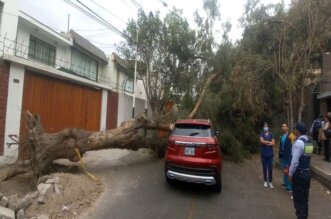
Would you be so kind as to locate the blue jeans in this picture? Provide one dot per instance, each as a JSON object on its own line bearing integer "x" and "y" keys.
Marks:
{"x": 286, "y": 181}
{"x": 267, "y": 162}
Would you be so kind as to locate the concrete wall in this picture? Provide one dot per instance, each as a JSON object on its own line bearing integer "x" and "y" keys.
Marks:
{"x": 63, "y": 51}
{"x": 110, "y": 73}
{"x": 125, "y": 108}
{"x": 9, "y": 22}
{"x": 13, "y": 112}
{"x": 103, "y": 109}
{"x": 140, "y": 92}
{"x": 4, "y": 80}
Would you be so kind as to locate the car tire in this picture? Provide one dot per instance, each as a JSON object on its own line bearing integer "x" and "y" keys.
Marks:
{"x": 218, "y": 186}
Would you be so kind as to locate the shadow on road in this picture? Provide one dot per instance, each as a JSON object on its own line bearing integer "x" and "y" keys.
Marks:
{"x": 191, "y": 189}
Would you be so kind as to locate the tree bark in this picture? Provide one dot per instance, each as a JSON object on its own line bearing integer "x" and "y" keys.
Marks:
{"x": 44, "y": 148}
{"x": 302, "y": 103}
{"x": 291, "y": 108}
{"x": 202, "y": 96}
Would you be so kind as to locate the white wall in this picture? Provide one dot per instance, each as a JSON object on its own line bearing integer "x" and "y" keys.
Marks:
{"x": 125, "y": 108}
{"x": 13, "y": 113}
{"x": 63, "y": 52}
{"x": 140, "y": 93}
{"x": 9, "y": 23}
{"x": 109, "y": 72}
{"x": 103, "y": 109}
{"x": 22, "y": 39}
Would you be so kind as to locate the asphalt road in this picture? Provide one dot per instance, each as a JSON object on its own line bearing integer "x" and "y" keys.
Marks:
{"x": 135, "y": 188}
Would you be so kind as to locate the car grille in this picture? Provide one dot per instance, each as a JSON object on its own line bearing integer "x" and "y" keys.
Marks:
{"x": 192, "y": 171}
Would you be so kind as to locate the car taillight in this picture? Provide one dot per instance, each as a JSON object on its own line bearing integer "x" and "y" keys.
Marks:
{"x": 212, "y": 147}
{"x": 211, "y": 151}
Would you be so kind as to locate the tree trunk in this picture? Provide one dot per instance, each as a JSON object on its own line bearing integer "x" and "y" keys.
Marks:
{"x": 202, "y": 96}
{"x": 44, "y": 148}
{"x": 302, "y": 103}
{"x": 291, "y": 108}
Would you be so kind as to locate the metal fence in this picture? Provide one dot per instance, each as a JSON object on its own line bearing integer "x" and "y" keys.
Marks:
{"x": 21, "y": 50}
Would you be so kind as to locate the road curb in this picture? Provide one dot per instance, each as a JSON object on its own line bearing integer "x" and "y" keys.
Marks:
{"x": 317, "y": 174}
{"x": 320, "y": 176}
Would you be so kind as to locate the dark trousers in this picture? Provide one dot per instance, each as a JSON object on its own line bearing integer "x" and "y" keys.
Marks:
{"x": 300, "y": 188}
{"x": 317, "y": 144}
{"x": 267, "y": 167}
{"x": 327, "y": 150}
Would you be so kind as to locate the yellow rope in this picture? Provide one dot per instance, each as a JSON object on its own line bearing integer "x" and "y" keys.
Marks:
{"x": 83, "y": 167}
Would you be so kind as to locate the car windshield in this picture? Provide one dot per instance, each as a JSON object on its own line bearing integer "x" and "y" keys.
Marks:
{"x": 192, "y": 130}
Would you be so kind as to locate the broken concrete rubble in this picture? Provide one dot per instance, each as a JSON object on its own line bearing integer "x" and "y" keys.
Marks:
{"x": 58, "y": 188}
{"x": 20, "y": 214}
{"x": 53, "y": 180}
{"x": 43, "y": 179}
{"x": 43, "y": 189}
{"x": 4, "y": 202}
{"x": 13, "y": 203}
{"x": 6, "y": 213}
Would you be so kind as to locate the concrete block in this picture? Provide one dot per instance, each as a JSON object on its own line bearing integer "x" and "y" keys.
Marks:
{"x": 6, "y": 213}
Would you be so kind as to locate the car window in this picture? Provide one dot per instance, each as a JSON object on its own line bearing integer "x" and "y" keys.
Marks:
{"x": 192, "y": 130}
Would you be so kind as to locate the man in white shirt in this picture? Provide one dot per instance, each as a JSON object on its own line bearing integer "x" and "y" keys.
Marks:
{"x": 299, "y": 172}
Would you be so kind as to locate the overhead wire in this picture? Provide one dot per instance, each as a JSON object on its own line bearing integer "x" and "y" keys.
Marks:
{"x": 90, "y": 15}
{"x": 105, "y": 9}
{"x": 102, "y": 20}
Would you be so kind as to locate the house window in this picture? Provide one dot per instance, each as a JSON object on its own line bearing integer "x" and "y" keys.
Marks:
{"x": 41, "y": 51}
{"x": 83, "y": 65}
{"x": 128, "y": 85}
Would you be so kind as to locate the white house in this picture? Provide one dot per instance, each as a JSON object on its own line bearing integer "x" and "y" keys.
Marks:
{"x": 62, "y": 77}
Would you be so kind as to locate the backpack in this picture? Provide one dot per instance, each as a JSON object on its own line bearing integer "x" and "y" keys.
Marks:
{"x": 317, "y": 125}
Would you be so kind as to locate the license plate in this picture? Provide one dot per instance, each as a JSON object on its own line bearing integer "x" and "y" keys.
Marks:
{"x": 190, "y": 151}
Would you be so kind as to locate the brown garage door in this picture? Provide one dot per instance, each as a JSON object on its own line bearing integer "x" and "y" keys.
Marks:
{"x": 61, "y": 104}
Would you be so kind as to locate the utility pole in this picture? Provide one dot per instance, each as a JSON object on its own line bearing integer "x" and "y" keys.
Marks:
{"x": 135, "y": 73}
{"x": 68, "y": 26}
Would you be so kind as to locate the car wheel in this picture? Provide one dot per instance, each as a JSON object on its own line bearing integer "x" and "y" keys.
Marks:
{"x": 218, "y": 186}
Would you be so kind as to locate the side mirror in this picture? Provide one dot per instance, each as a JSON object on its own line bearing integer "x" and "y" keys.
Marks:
{"x": 217, "y": 133}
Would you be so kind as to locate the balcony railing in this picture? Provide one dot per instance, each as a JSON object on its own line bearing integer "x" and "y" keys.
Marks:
{"x": 21, "y": 50}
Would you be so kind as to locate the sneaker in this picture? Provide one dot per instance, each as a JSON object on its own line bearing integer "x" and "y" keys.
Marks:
{"x": 284, "y": 186}
{"x": 288, "y": 190}
{"x": 271, "y": 186}
{"x": 265, "y": 184}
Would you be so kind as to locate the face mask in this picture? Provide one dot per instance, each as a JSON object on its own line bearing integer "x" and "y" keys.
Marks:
{"x": 265, "y": 129}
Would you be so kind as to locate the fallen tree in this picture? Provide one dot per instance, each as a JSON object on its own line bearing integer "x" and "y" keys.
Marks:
{"x": 43, "y": 148}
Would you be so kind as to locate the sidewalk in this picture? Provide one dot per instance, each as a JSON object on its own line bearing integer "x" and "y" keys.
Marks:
{"x": 321, "y": 170}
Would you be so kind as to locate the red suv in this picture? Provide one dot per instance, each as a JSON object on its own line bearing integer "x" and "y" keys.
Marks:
{"x": 193, "y": 154}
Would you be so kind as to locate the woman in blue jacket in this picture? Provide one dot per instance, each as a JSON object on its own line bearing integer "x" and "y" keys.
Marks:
{"x": 267, "y": 154}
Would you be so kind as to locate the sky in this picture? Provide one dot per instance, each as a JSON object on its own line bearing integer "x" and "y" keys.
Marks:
{"x": 54, "y": 13}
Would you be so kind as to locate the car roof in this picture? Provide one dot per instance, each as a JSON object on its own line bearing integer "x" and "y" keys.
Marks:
{"x": 194, "y": 121}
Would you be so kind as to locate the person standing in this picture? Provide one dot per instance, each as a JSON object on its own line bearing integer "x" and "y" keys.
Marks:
{"x": 299, "y": 173}
{"x": 326, "y": 141}
{"x": 267, "y": 142}
{"x": 314, "y": 131}
{"x": 285, "y": 155}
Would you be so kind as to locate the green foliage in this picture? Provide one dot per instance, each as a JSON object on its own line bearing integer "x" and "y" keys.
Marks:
{"x": 255, "y": 75}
